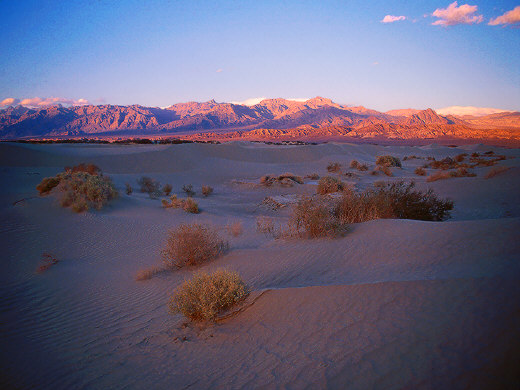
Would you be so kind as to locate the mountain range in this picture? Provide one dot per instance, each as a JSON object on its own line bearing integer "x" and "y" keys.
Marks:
{"x": 270, "y": 119}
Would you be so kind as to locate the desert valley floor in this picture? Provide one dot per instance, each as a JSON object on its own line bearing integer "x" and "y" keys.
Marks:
{"x": 394, "y": 304}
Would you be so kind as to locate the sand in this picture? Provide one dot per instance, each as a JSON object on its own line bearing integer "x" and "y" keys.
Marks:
{"x": 394, "y": 304}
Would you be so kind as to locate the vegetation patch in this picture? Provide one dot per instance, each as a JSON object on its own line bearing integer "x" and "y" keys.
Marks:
{"x": 330, "y": 184}
{"x": 207, "y": 295}
{"x": 190, "y": 245}
{"x": 388, "y": 161}
{"x": 284, "y": 180}
{"x": 314, "y": 218}
{"x": 334, "y": 167}
{"x": 80, "y": 189}
{"x": 189, "y": 205}
{"x": 150, "y": 186}
{"x": 419, "y": 171}
{"x": 206, "y": 190}
{"x": 441, "y": 175}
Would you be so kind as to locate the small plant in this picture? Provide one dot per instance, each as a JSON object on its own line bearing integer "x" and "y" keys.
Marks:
{"x": 150, "y": 186}
{"x": 460, "y": 157}
{"x": 167, "y": 189}
{"x": 388, "y": 161}
{"x": 48, "y": 184}
{"x": 334, "y": 167}
{"x": 386, "y": 170}
{"x": 194, "y": 244}
{"x": 207, "y": 295}
{"x": 48, "y": 261}
{"x": 285, "y": 180}
{"x": 128, "y": 189}
{"x": 206, "y": 190}
{"x": 146, "y": 274}
{"x": 362, "y": 167}
{"x": 265, "y": 225}
{"x": 188, "y": 189}
{"x": 354, "y": 164}
{"x": 190, "y": 206}
{"x": 441, "y": 175}
{"x": 329, "y": 184}
{"x": 420, "y": 171}
{"x": 475, "y": 154}
{"x": 235, "y": 229}
{"x": 312, "y": 176}
{"x": 313, "y": 218}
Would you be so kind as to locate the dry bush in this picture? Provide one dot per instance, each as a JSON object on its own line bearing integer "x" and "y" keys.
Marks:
{"x": 329, "y": 184}
{"x": 193, "y": 244}
{"x": 475, "y": 154}
{"x": 413, "y": 157}
{"x": 354, "y": 164}
{"x": 374, "y": 172}
{"x": 420, "y": 171}
{"x": 312, "y": 176}
{"x": 190, "y": 206}
{"x": 128, "y": 188}
{"x": 460, "y": 157}
{"x": 265, "y": 225}
{"x": 388, "y": 161}
{"x": 285, "y": 180}
{"x": 167, "y": 189}
{"x": 188, "y": 189}
{"x": 206, "y": 190}
{"x": 489, "y": 152}
{"x": 480, "y": 162}
{"x": 48, "y": 184}
{"x": 147, "y": 273}
{"x": 362, "y": 167}
{"x": 441, "y": 175}
{"x": 174, "y": 202}
{"x": 80, "y": 190}
{"x": 91, "y": 169}
{"x": 496, "y": 171}
{"x": 334, "y": 167}
{"x": 235, "y": 228}
{"x": 386, "y": 170}
{"x": 150, "y": 186}
{"x": 394, "y": 200}
{"x": 313, "y": 218}
{"x": 207, "y": 295}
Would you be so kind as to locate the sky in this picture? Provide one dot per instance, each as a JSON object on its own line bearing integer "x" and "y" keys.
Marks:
{"x": 380, "y": 54}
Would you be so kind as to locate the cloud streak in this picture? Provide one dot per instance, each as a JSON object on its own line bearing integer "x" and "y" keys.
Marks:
{"x": 468, "y": 110}
{"x": 510, "y": 17}
{"x": 392, "y": 18}
{"x": 453, "y": 15}
{"x": 37, "y": 102}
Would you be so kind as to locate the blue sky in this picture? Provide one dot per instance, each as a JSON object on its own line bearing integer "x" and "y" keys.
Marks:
{"x": 156, "y": 53}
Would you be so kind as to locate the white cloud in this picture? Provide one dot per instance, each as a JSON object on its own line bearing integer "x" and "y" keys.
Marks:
{"x": 510, "y": 17}
{"x": 392, "y": 18}
{"x": 452, "y": 15}
{"x": 9, "y": 102}
{"x": 39, "y": 102}
{"x": 468, "y": 110}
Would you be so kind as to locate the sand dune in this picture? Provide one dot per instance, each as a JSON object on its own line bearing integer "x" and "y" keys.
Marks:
{"x": 393, "y": 304}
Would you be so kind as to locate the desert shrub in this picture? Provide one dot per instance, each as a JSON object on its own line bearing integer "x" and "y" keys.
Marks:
{"x": 496, "y": 171}
{"x": 190, "y": 206}
{"x": 47, "y": 261}
{"x": 285, "y": 180}
{"x": 388, "y": 161}
{"x": 441, "y": 175}
{"x": 394, "y": 200}
{"x": 206, "y": 190}
{"x": 194, "y": 244}
{"x": 460, "y": 157}
{"x": 128, "y": 188}
{"x": 174, "y": 202}
{"x": 475, "y": 154}
{"x": 265, "y": 225}
{"x": 329, "y": 184}
{"x": 313, "y": 218}
{"x": 91, "y": 169}
{"x": 489, "y": 152}
{"x": 374, "y": 172}
{"x": 80, "y": 190}
{"x": 334, "y": 167}
{"x": 188, "y": 189}
{"x": 362, "y": 167}
{"x": 167, "y": 189}
{"x": 150, "y": 186}
{"x": 413, "y": 157}
{"x": 207, "y": 295}
{"x": 384, "y": 169}
{"x": 354, "y": 164}
{"x": 48, "y": 184}
{"x": 312, "y": 176}
{"x": 420, "y": 171}
{"x": 235, "y": 229}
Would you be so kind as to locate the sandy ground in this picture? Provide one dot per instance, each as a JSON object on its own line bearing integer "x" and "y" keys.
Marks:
{"x": 395, "y": 304}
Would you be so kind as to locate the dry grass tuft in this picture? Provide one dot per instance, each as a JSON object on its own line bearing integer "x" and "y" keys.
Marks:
{"x": 147, "y": 273}
{"x": 284, "y": 180}
{"x": 313, "y": 218}
{"x": 420, "y": 171}
{"x": 194, "y": 244}
{"x": 460, "y": 157}
{"x": 496, "y": 171}
{"x": 388, "y": 161}
{"x": 48, "y": 261}
{"x": 266, "y": 226}
{"x": 190, "y": 206}
{"x": 329, "y": 184}
{"x": 235, "y": 228}
{"x": 150, "y": 186}
{"x": 334, "y": 167}
{"x": 442, "y": 175}
{"x": 207, "y": 295}
{"x": 167, "y": 189}
{"x": 188, "y": 189}
{"x": 206, "y": 190}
